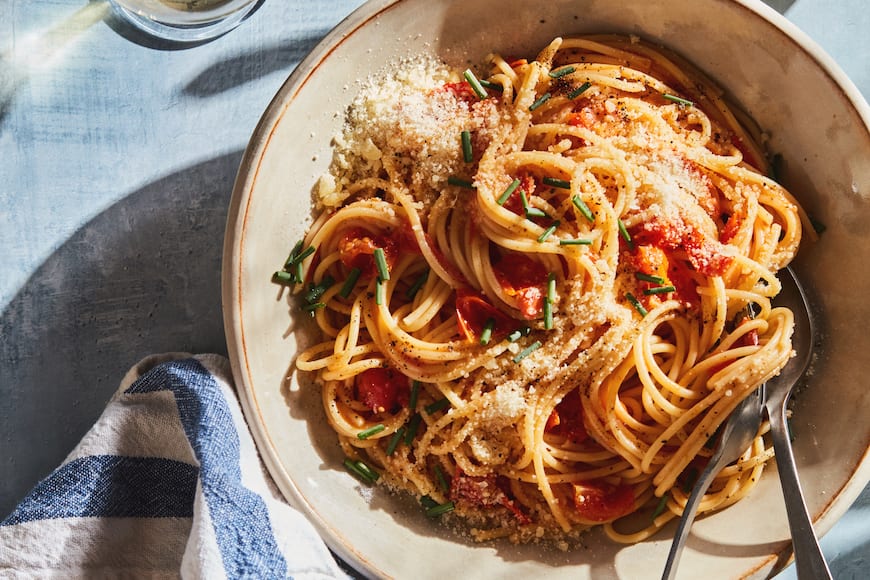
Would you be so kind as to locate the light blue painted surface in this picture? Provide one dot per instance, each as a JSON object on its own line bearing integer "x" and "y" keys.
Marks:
{"x": 116, "y": 164}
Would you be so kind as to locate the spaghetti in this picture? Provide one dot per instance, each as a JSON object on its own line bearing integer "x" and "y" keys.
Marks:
{"x": 542, "y": 291}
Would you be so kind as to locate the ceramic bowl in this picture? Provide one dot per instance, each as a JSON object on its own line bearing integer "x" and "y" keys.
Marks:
{"x": 816, "y": 120}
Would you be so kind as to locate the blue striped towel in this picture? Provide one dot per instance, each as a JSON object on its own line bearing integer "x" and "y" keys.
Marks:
{"x": 167, "y": 484}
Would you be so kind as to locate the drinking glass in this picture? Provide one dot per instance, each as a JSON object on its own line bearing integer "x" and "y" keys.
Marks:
{"x": 185, "y": 20}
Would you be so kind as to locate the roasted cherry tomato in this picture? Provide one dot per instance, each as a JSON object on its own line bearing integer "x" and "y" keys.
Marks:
{"x": 382, "y": 389}
{"x": 567, "y": 419}
{"x": 357, "y": 248}
{"x": 473, "y": 313}
{"x": 599, "y": 501}
{"x": 524, "y": 279}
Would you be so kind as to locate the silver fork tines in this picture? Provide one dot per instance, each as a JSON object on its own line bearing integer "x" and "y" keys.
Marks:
{"x": 737, "y": 434}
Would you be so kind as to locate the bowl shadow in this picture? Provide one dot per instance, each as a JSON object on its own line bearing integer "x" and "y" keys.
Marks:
{"x": 141, "y": 277}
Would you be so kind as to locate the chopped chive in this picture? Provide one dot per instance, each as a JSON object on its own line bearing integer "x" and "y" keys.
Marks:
{"x": 381, "y": 263}
{"x": 371, "y": 473}
{"x": 442, "y": 480}
{"x": 507, "y": 192}
{"x": 440, "y": 509}
{"x": 678, "y": 100}
{"x": 413, "y": 425}
{"x": 518, "y": 334}
{"x": 297, "y": 258}
{"x": 293, "y": 253}
{"x": 300, "y": 275}
{"x": 491, "y": 85}
{"x": 415, "y": 287}
{"x": 560, "y": 72}
{"x": 366, "y": 433}
{"x": 459, "y": 182}
{"x": 350, "y": 282}
{"x": 548, "y": 232}
{"x": 467, "y": 151}
{"x": 314, "y": 306}
{"x": 394, "y": 440}
{"x": 527, "y": 351}
{"x": 534, "y": 212}
{"x": 579, "y": 90}
{"x": 317, "y": 291}
{"x": 525, "y": 200}
{"x": 361, "y": 471}
{"x": 438, "y": 405}
{"x": 427, "y": 502}
{"x": 649, "y": 278}
{"x": 486, "y": 335}
{"x": 553, "y": 182}
{"x": 551, "y": 286}
{"x": 282, "y": 276}
{"x": 636, "y": 303}
{"x": 584, "y": 209}
{"x": 660, "y": 508}
{"x": 575, "y": 242}
{"x": 475, "y": 84}
{"x": 659, "y": 290}
{"x": 415, "y": 392}
{"x": 624, "y": 233}
{"x": 380, "y": 292}
{"x": 548, "y": 315}
{"x": 540, "y": 101}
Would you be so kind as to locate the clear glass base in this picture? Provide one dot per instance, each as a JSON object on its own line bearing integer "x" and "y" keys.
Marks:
{"x": 184, "y": 22}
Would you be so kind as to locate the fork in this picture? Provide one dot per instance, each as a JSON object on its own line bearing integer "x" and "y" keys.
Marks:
{"x": 809, "y": 560}
{"x": 737, "y": 434}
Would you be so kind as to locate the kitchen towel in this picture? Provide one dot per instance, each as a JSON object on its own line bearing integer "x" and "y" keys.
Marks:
{"x": 167, "y": 484}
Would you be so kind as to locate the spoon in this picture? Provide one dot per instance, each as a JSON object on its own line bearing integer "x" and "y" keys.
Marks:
{"x": 738, "y": 431}
{"x": 809, "y": 560}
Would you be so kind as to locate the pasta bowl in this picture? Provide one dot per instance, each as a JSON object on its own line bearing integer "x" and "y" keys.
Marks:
{"x": 818, "y": 127}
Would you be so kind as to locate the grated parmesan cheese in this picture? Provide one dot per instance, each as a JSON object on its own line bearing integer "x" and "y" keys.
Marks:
{"x": 410, "y": 120}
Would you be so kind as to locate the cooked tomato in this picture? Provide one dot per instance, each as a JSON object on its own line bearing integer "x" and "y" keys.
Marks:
{"x": 382, "y": 389}
{"x": 357, "y": 248}
{"x": 461, "y": 90}
{"x": 751, "y": 337}
{"x": 524, "y": 279}
{"x": 599, "y": 501}
{"x": 473, "y": 312}
{"x": 585, "y": 117}
{"x": 732, "y": 226}
{"x": 514, "y": 202}
{"x": 651, "y": 260}
{"x": 567, "y": 419}
{"x": 406, "y": 239}
{"x": 483, "y": 492}
{"x": 706, "y": 255}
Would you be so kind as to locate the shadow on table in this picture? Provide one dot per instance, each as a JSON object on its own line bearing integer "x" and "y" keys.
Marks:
{"x": 141, "y": 277}
{"x": 236, "y": 71}
{"x": 780, "y": 6}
